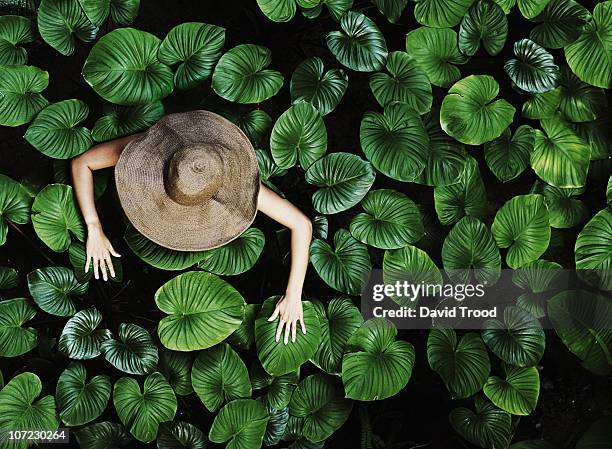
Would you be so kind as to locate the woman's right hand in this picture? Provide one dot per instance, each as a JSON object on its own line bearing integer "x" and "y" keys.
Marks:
{"x": 99, "y": 251}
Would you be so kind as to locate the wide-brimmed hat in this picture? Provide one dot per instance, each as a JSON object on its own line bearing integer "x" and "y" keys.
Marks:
{"x": 190, "y": 182}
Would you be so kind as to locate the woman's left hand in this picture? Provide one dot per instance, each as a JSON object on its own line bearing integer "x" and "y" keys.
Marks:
{"x": 290, "y": 311}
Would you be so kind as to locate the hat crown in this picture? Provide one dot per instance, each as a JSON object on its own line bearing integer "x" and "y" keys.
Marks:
{"x": 194, "y": 174}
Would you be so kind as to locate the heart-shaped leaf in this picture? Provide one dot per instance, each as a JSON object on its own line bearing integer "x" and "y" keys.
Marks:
{"x": 484, "y": 22}
{"x": 509, "y": 157}
{"x": 579, "y": 101}
{"x": 15, "y": 339}
{"x": 391, "y": 9}
{"x": 561, "y": 23}
{"x": 80, "y": 338}
{"x": 61, "y": 21}
{"x": 176, "y": 368}
{"x": 235, "y": 257}
{"x": 20, "y": 94}
{"x": 242, "y": 422}
{"x": 179, "y": 435}
{"x": 103, "y": 435}
{"x": 9, "y": 278}
{"x": 537, "y": 278}
{"x": 545, "y": 105}
{"x": 440, "y": 13}
{"x": 53, "y": 289}
{"x": 518, "y": 393}
{"x": 279, "y": 388}
{"x": 119, "y": 121}
{"x": 311, "y": 83}
{"x": 15, "y": 31}
{"x": 14, "y": 205}
{"x": 488, "y": 428}
{"x": 134, "y": 352}
{"x": 593, "y": 250}
{"x": 535, "y": 70}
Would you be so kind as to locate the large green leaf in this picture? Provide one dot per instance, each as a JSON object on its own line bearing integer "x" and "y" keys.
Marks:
{"x": 517, "y": 393}
{"x": 279, "y": 388}
{"x": 531, "y": 8}
{"x": 123, "y": 68}
{"x": 311, "y": 83}
{"x": 123, "y": 12}
{"x": 560, "y": 157}
{"x": 80, "y": 338}
{"x": 589, "y": 55}
{"x": 582, "y": 322}
{"x": 509, "y": 157}
{"x": 54, "y": 288}
{"x": 545, "y": 105}
{"x": 176, "y": 368}
{"x": 319, "y": 402}
{"x": 242, "y": 422}
{"x": 141, "y": 411}
{"x": 20, "y": 98}
{"x": 485, "y": 21}
{"x": 78, "y": 401}
{"x": 390, "y": 220}
{"x": 21, "y": 410}
{"x": 440, "y": 13}
{"x": 235, "y": 257}
{"x": 343, "y": 180}
{"x": 563, "y": 210}
{"x": 522, "y": 226}
{"x": 103, "y": 435}
{"x": 242, "y": 76}
{"x": 343, "y": 266}
{"x": 195, "y": 47}
{"x": 180, "y": 435}
{"x": 280, "y": 10}
{"x": 470, "y": 112}
{"x": 15, "y": 31}
{"x": 489, "y": 427}
{"x": 298, "y": 134}
{"x": 276, "y": 357}
{"x": 518, "y": 340}
{"x": 395, "y": 142}
{"x": 256, "y": 124}
{"x": 469, "y": 250}
{"x": 561, "y": 23}
{"x": 15, "y": 339}
{"x": 406, "y": 82}
{"x": 54, "y": 131}
{"x": 56, "y": 218}
{"x": 463, "y": 365}
{"x": 391, "y": 9}
{"x": 535, "y": 70}
{"x": 341, "y": 319}
{"x": 202, "y": 311}
{"x": 14, "y": 204}
{"x": 376, "y": 365}
{"x": 467, "y": 197}
{"x": 436, "y": 51}
{"x": 537, "y": 277}
{"x": 9, "y": 278}
{"x": 594, "y": 250}
{"x": 579, "y": 101}
{"x": 277, "y": 425}
{"x": 219, "y": 375}
{"x": 61, "y": 21}
{"x": 360, "y": 45}
{"x": 97, "y": 11}
{"x": 134, "y": 352}
{"x": 244, "y": 336}
{"x": 119, "y": 121}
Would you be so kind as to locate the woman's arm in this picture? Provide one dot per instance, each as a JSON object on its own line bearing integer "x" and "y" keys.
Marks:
{"x": 99, "y": 248}
{"x": 290, "y": 306}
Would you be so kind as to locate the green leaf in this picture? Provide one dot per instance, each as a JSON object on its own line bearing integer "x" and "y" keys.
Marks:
{"x": 103, "y": 435}
{"x": 268, "y": 169}
{"x": 341, "y": 319}
{"x": 80, "y": 338}
{"x": 311, "y": 83}
{"x": 540, "y": 106}
{"x": 15, "y": 31}
{"x": 78, "y": 258}
{"x": 508, "y": 157}
{"x": 298, "y": 134}
{"x": 78, "y": 401}
{"x": 406, "y": 82}
{"x": 14, "y": 205}
{"x": 56, "y": 218}
{"x": 560, "y": 157}
{"x": 535, "y": 70}
{"x": 241, "y": 422}
{"x": 470, "y": 112}
{"x": 437, "y": 52}
{"x": 360, "y": 45}
{"x": 123, "y": 12}
{"x": 256, "y": 124}
{"x": 391, "y": 220}
{"x": 141, "y": 411}
{"x": 9, "y": 278}
{"x": 54, "y": 131}
{"x": 276, "y": 357}
{"x": 319, "y": 401}
{"x": 467, "y": 197}
{"x": 195, "y": 47}
{"x": 97, "y": 11}
{"x": 15, "y": 339}
{"x": 517, "y": 393}
{"x": 440, "y": 13}
{"x": 561, "y": 23}
{"x": 485, "y": 21}
{"x": 391, "y": 9}
{"x": 594, "y": 133}
{"x": 244, "y": 336}
{"x": 180, "y": 435}
{"x": 531, "y": 8}
{"x": 395, "y": 142}
{"x": 589, "y": 55}
{"x": 219, "y": 375}
{"x": 275, "y": 429}
{"x": 344, "y": 266}
{"x": 519, "y": 340}
{"x": 582, "y": 322}
{"x": 21, "y": 410}
{"x": 119, "y": 121}
{"x": 337, "y": 8}
{"x": 235, "y": 257}
{"x": 122, "y": 67}
{"x": 20, "y": 98}
{"x": 343, "y": 180}
{"x": 489, "y": 427}
{"x": 537, "y": 278}
{"x": 376, "y": 366}
{"x": 242, "y": 76}
{"x": 54, "y": 288}
{"x": 279, "y": 388}
{"x": 278, "y": 10}
{"x": 522, "y": 226}
{"x": 463, "y": 365}
{"x": 594, "y": 250}
{"x": 134, "y": 352}
{"x": 176, "y": 368}
{"x": 61, "y": 21}
{"x": 564, "y": 212}
{"x": 580, "y": 102}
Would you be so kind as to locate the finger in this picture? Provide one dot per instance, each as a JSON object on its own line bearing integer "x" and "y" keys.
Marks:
{"x": 293, "y": 330}
{"x": 87, "y": 263}
{"x": 113, "y": 252}
{"x": 302, "y": 324}
{"x": 279, "y": 329}
{"x": 103, "y": 268}
{"x": 95, "y": 267}
{"x": 274, "y": 314}
{"x": 287, "y": 332}
{"x": 109, "y": 265}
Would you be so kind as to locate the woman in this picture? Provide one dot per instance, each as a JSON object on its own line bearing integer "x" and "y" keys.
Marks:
{"x": 191, "y": 183}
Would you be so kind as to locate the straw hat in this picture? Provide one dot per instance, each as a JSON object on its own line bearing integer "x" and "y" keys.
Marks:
{"x": 190, "y": 182}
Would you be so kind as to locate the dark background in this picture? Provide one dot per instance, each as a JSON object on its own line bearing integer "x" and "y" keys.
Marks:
{"x": 570, "y": 398}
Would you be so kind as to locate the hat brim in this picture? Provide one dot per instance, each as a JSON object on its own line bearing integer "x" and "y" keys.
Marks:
{"x": 139, "y": 176}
